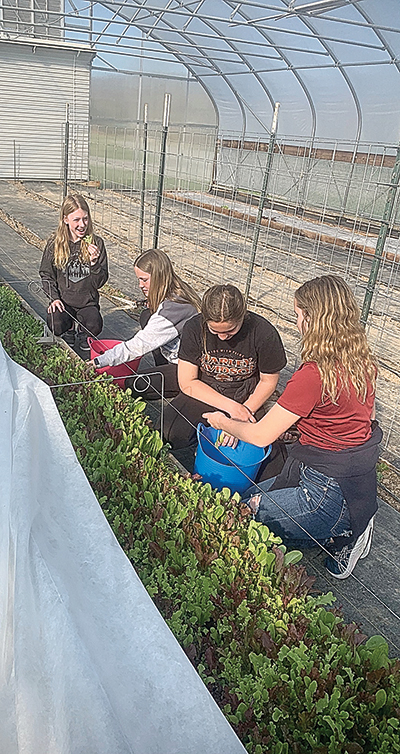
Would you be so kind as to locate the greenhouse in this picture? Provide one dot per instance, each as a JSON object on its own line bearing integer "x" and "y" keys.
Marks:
{"x": 257, "y": 144}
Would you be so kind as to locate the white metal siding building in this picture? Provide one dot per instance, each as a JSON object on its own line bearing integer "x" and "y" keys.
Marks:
{"x": 38, "y": 78}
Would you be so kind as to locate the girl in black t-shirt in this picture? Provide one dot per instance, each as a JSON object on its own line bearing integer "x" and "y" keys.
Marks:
{"x": 229, "y": 359}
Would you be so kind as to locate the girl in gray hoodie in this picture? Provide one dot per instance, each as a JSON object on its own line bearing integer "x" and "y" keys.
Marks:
{"x": 170, "y": 304}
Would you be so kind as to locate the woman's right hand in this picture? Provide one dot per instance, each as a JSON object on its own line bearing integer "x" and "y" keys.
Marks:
{"x": 56, "y": 305}
{"x": 94, "y": 253}
{"x": 239, "y": 412}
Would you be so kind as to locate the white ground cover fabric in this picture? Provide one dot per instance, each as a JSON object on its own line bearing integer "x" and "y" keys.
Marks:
{"x": 88, "y": 665}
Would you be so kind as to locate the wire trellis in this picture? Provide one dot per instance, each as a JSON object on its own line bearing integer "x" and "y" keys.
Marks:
{"x": 322, "y": 214}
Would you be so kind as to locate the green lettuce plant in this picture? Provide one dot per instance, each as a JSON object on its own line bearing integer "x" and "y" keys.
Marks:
{"x": 288, "y": 672}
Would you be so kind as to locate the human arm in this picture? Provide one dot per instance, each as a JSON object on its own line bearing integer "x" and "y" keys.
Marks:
{"x": 48, "y": 274}
{"x": 189, "y": 383}
{"x": 262, "y": 433}
{"x": 98, "y": 261}
{"x": 263, "y": 390}
{"x": 158, "y": 332}
{"x": 270, "y": 357}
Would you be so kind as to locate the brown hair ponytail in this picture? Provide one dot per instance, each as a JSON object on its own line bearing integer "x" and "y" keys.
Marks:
{"x": 164, "y": 282}
{"x": 222, "y": 303}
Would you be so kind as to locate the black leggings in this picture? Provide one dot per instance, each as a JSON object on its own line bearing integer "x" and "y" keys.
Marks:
{"x": 89, "y": 318}
{"x": 180, "y": 428}
{"x": 148, "y": 385}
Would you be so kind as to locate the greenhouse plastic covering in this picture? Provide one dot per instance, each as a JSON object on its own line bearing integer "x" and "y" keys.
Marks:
{"x": 88, "y": 666}
{"x": 334, "y": 65}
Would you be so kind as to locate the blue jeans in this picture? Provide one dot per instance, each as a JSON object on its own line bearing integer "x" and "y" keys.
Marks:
{"x": 317, "y": 505}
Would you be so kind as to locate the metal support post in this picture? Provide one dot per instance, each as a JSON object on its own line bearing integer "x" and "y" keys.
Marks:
{"x": 263, "y": 196}
{"x": 215, "y": 163}
{"x": 380, "y": 244}
{"x": 105, "y": 158}
{"x": 167, "y": 107}
{"x": 15, "y": 162}
{"x": 47, "y": 338}
{"x": 349, "y": 180}
{"x": 144, "y": 168}
{"x": 66, "y": 152}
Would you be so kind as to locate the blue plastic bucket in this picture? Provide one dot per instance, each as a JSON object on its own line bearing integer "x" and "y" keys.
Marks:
{"x": 215, "y": 465}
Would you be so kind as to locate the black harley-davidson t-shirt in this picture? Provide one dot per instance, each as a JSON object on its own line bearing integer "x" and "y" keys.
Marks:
{"x": 233, "y": 366}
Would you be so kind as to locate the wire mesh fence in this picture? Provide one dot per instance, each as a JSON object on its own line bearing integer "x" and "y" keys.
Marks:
{"x": 324, "y": 212}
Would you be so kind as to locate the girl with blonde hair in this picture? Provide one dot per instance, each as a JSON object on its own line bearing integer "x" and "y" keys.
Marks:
{"x": 171, "y": 302}
{"x": 73, "y": 268}
{"x": 326, "y": 492}
{"x": 229, "y": 359}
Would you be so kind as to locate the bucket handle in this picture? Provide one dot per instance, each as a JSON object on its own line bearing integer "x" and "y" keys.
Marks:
{"x": 267, "y": 449}
{"x": 90, "y": 342}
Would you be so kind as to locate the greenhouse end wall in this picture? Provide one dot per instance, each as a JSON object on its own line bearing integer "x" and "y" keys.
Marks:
{"x": 37, "y": 82}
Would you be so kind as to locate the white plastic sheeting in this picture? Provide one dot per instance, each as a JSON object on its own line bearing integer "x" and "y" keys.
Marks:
{"x": 88, "y": 666}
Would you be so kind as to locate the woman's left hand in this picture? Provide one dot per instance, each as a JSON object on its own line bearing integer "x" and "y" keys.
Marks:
{"x": 94, "y": 253}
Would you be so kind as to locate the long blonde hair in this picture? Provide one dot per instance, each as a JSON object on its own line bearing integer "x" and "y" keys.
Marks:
{"x": 71, "y": 203}
{"x": 334, "y": 337}
{"x": 164, "y": 282}
{"x": 222, "y": 303}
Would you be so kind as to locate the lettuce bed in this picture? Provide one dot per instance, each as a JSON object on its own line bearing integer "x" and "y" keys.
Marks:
{"x": 289, "y": 674}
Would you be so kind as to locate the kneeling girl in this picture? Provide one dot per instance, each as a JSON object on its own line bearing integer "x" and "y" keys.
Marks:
{"x": 326, "y": 492}
{"x": 171, "y": 302}
{"x": 73, "y": 268}
{"x": 229, "y": 359}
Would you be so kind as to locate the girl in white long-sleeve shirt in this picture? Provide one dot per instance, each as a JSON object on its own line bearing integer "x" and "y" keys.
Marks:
{"x": 171, "y": 303}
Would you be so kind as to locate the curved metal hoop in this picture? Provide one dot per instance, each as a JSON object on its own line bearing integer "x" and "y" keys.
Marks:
{"x": 147, "y": 380}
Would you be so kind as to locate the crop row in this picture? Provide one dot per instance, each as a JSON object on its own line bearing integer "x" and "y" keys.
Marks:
{"x": 288, "y": 672}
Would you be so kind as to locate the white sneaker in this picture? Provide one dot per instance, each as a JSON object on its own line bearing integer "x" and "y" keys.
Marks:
{"x": 342, "y": 563}
{"x": 370, "y": 529}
